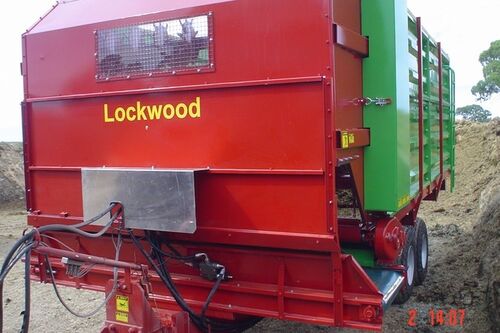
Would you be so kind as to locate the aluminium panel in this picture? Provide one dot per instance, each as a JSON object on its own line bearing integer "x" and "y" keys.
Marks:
{"x": 160, "y": 200}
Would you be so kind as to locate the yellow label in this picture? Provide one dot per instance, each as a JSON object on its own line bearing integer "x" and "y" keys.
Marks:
{"x": 345, "y": 140}
{"x": 140, "y": 112}
{"x": 122, "y": 303}
{"x": 404, "y": 200}
{"x": 351, "y": 139}
{"x": 122, "y": 316}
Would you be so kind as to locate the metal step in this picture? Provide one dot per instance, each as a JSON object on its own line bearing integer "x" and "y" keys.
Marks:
{"x": 389, "y": 283}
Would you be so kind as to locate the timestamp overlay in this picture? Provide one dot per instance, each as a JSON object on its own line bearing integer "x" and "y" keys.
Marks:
{"x": 453, "y": 318}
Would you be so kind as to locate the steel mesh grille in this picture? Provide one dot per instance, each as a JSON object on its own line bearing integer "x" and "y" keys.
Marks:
{"x": 165, "y": 47}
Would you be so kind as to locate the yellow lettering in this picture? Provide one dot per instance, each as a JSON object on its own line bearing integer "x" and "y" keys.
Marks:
{"x": 168, "y": 111}
{"x": 131, "y": 116}
{"x": 141, "y": 112}
{"x": 181, "y": 111}
{"x": 195, "y": 108}
{"x": 155, "y": 112}
{"x": 107, "y": 119}
{"x": 120, "y": 114}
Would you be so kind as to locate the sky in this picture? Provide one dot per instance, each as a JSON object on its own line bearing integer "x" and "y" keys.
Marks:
{"x": 464, "y": 28}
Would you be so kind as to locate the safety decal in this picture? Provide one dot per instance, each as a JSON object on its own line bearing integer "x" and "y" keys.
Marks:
{"x": 122, "y": 303}
{"x": 122, "y": 317}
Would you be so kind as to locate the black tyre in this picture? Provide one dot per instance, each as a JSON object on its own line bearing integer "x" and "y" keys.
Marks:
{"x": 408, "y": 259}
{"x": 422, "y": 251}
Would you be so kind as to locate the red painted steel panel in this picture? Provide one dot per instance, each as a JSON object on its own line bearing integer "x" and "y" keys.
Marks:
{"x": 231, "y": 125}
{"x": 262, "y": 203}
{"x": 56, "y": 192}
{"x": 70, "y": 14}
{"x": 348, "y": 86}
{"x": 348, "y": 14}
{"x": 223, "y": 201}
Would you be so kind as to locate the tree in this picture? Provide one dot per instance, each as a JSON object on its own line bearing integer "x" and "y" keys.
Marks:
{"x": 490, "y": 59}
{"x": 475, "y": 113}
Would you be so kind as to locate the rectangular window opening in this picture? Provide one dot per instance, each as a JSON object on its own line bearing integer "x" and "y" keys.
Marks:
{"x": 166, "y": 47}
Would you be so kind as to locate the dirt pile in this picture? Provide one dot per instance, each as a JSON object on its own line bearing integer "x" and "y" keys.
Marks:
{"x": 464, "y": 240}
{"x": 482, "y": 176}
{"x": 487, "y": 234}
{"x": 477, "y": 165}
{"x": 11, "y": 173}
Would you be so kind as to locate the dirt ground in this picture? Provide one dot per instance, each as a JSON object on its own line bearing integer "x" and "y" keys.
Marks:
{"x": 464, "y": 267}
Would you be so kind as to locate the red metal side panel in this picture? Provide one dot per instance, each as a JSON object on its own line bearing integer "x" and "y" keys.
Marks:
{"x": 224, "y": 138}
{"x": 232, "y": 123}
{"x": 349, "y": 84}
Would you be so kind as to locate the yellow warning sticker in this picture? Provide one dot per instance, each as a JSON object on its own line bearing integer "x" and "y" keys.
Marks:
{"x": 122, "y": 303}
{"x": 404, "y": 200}
{"x": 351, "y": 139}
{"x": 345, "y": 140}
{"x": 122, "y": 316}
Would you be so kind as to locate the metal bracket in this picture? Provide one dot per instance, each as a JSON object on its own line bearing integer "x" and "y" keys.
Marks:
{"x": 351, "y": 40}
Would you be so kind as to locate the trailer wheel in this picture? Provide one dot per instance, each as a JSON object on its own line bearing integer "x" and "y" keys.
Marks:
{"x": 422, "y": 251}
{"x": 409, "y": 260}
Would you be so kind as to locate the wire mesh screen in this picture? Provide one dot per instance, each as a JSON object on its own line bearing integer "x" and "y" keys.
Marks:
{"x": 171, "y": 47}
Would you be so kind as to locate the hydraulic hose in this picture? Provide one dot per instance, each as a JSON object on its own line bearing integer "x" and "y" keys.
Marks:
{"x": 200, "y": 321}
{"x": 23, "y": 246}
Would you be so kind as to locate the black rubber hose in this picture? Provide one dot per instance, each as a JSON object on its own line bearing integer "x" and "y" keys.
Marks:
{"x": 75, "y": 230}
{"x": 153, "y": 241}
{"x": 171, "y": 248}
{"x": 55, "y": 227}
{"x": 8, "y": 264}
{"x": 18, "y": 257}
{"x": 97, "y": 217}
{"x": 15, "y": 247}
{"x": 168, "y": 282}
{"x": 4, "y": 268}
{"x": 215, "y": 326}
{"x": 210, "y": 296}
{"x": 27, "y": 292}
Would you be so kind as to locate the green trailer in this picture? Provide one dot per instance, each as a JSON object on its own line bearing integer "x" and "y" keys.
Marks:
{"x": 409, "y": 111}
{"x": 408, "y": 65}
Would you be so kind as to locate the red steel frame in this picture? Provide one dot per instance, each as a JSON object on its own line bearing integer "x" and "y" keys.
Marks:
{"x": 420, "y": 107}
{"x": 286, "y": 265}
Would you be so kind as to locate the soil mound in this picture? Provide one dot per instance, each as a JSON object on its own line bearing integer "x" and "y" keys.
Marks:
{"x": 11, "y": 173}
